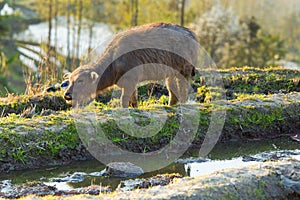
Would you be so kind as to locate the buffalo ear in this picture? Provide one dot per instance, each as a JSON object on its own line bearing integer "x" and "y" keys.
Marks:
{"x": 67, "y": 75}
{"x": 94, "y": 76}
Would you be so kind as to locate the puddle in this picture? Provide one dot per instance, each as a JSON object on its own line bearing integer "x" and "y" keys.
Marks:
{"x": 296, "y": 157}
{"x": 60, "y": 186}
{"x": 199, "y": 169}
{"x": 229, "y": 155}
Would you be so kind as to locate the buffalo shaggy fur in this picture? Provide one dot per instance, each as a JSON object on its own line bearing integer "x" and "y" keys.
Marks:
{"x": 151, "y": 52}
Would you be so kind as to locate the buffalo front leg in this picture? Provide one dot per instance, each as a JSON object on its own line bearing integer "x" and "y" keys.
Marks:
{"x": 173, "y": 91}
{"x": 126, "y": 97}
{"x": 172, "y": 98}
{"x": 183, "y": 89}
{"x": 133, "y": 102}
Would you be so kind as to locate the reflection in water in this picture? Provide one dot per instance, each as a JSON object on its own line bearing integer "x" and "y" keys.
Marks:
{"x": 60, "y": 186}
{"x": 113, "y": 182}
{"x": 296, "y": 157}
{"x": 199, "y": 169}
{"x": 204, "y": 168}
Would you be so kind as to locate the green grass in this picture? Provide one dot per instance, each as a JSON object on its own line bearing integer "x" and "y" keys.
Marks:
{"x": 247, "y": 116}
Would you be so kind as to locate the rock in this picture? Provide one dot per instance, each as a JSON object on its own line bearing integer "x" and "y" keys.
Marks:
{"x": 296, "y": 137}
{"x": 271, "y": 156}
{"x": 6, "y": 187}
{"x": 74, "y": 178}
{"x": 288, "y": 183}
{"x": 93, "y": 190}
{"x": 248, "y": 159}
{"x": 162, "y": 180}
{"x": 13, "y": 191}
{"x": 122, "y": 170}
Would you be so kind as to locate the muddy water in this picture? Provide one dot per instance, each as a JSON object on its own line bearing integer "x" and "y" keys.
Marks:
{"x": 228, "y": 155}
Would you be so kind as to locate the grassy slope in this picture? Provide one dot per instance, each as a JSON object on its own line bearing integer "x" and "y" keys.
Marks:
{"x": 26, "y": 140}
{"x": 31, "y": 140}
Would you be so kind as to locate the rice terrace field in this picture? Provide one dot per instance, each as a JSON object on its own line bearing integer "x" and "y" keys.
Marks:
{"x": 140, "y": 99}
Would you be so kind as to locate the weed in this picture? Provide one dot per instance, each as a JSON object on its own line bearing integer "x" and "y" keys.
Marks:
{"x": 146, "y": 149}
{"x": 19, "y": 155}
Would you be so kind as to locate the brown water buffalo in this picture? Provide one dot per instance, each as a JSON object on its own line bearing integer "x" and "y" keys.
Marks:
{"x": 152, "y": 52}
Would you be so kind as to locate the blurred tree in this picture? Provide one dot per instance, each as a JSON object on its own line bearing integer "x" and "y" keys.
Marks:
{"x": 91, "y": 22}
{"x": 219, "y": 31}
{"x": 278, "y": 17}
{"x": 68, "y": 13}
{"x": 174, "y": 11}
{"x": 134, "y": 12}
{"x": 291, "y": 32}
{"x": 260, "y": 47}
{"x": 4, "y": 30}
{"x": 79, "y": 19}
{"x": 195, "y": 9}
{"x": 182, "y": 12}
{"x": 50, "y": 15}
{"x": 49, "y": 67}
{"x": 4, "y": 61}
{"x": 270, "y": 49}
{"x": 55, "y": 24}
{"x": 253, "y": 41}
{"x": 231, "y": 42}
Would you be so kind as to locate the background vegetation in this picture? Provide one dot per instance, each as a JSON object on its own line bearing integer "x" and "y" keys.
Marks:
{"x": 256, "y": 33}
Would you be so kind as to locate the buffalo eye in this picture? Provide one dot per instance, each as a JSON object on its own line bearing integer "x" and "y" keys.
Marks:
{"x": 80, "y": 81}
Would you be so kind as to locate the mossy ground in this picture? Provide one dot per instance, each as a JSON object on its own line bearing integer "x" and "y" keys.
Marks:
{"x": 239, "y": 82}
{"x": 24, "y": 104}
{"x": 31, "y": 137}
